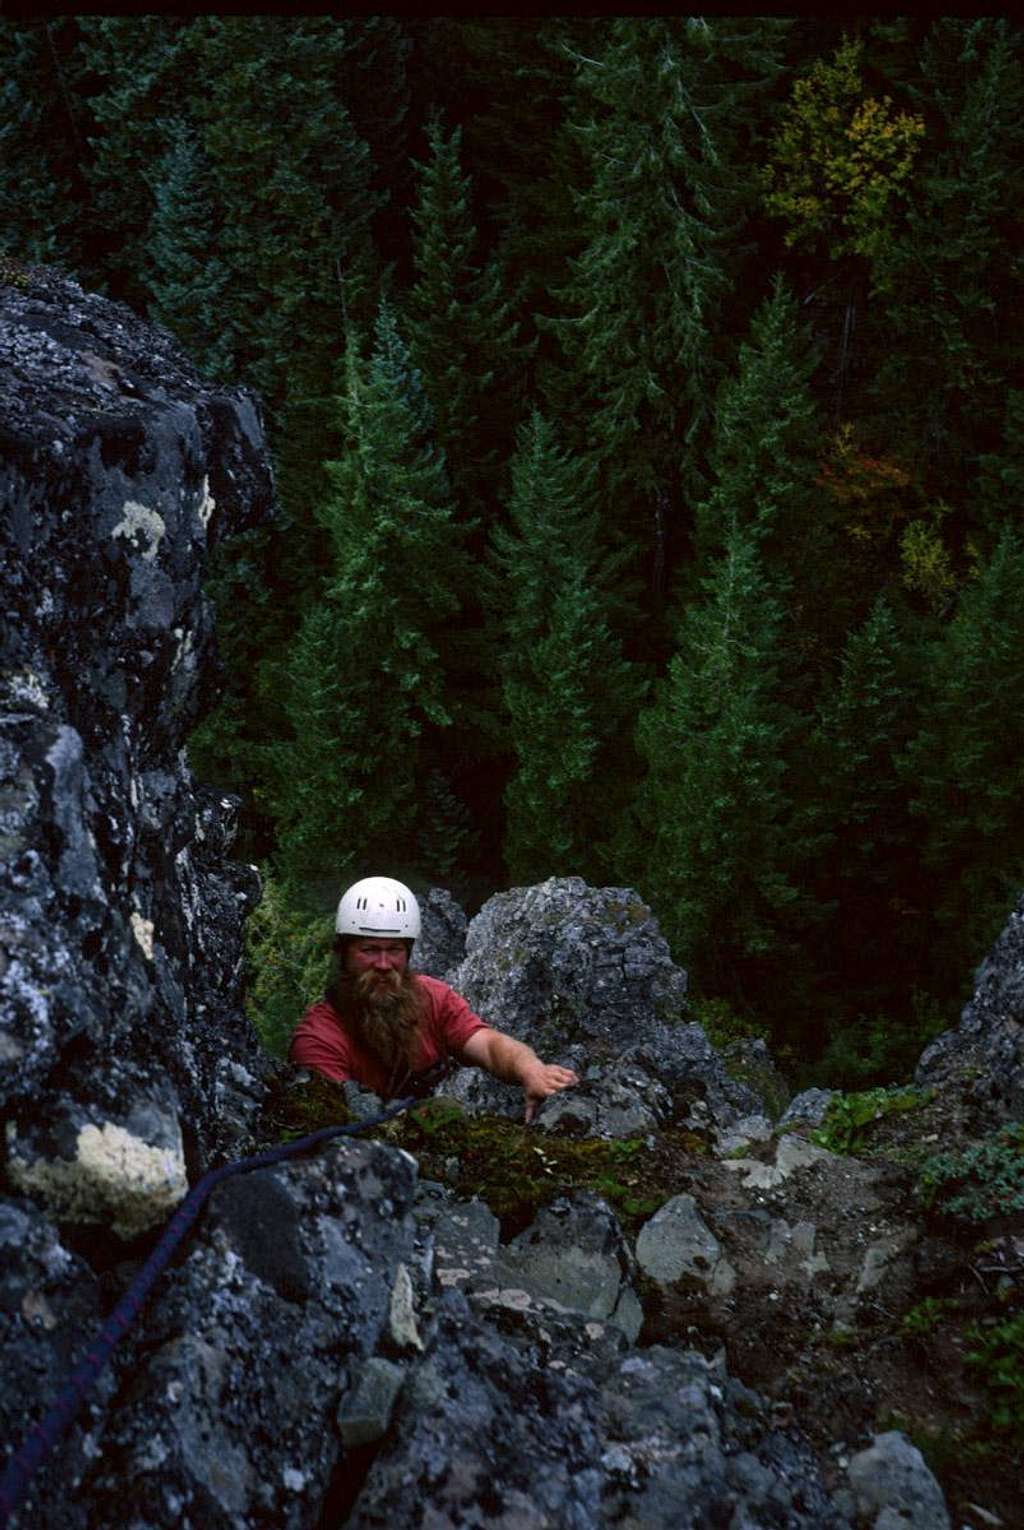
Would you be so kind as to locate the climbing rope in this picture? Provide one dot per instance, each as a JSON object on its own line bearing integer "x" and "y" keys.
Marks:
{"x": 41, "y": 1439}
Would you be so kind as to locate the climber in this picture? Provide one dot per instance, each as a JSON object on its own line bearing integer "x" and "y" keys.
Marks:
{"x": 387, "y": 1027}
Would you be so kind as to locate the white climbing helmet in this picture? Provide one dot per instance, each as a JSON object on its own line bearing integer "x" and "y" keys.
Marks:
{"x": 378, "y": 906}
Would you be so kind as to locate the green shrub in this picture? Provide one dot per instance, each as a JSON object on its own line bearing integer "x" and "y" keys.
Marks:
{"x": 985, "y": 1180}
{"x": 874, "y": 1048}
{"x": 849, "y": 1116}
{"x": 1000, "y": 1358}
{"x": 288, "y": 957}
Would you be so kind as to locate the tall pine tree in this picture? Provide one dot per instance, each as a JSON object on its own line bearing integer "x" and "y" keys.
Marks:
{"x": 715, "y": 838}
{"x": 461, "y": 330}
{"x": 367, "y": 674}
{"x": 657, "y": 116}
{"x": 965, "y": 766}
{"x": 570, "y": 696}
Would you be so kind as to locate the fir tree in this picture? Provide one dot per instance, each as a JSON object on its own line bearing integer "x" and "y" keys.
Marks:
{"x": 868, "y": 880}
{"x": 143, "y": 81}
{"x": 461, "y": 331}
{"x": 568, "y": 692}
{"x": 367, "y": 675}
{"x": 955, "y": 270}
{"x": 714, "y": 839}
{"x": 43, "y": 148}
{"x": 659, "y": 212}
{"x": 187, "y": 279}
{"x": 965, "y": 766}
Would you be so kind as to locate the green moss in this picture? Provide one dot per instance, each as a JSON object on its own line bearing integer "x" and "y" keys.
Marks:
{"x": 999, "y": 1360}
{"x": 927, "y": 1315}
{"x": 294, "y": 1110}
{"x": 516, "y": 1170}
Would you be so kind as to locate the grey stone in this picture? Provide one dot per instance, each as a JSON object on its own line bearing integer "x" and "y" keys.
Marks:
{"x": 891, "y": 1480}
{"x": 984, "y": 1054}
{"x": 574, "y": 1254}
{"x": 442, "y": 942}
{"x": 807, "y": 1108}
{"x": 676, "y": 1243}
{"x": 584, "y": 976}
{"x": 365, "y": 1413}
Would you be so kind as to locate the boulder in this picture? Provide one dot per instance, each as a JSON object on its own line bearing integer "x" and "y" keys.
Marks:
{"x": 984, "y": 1055}
{"x": 585, "y": 977}
{"x": 894, "y": 1488}
{"x": 442, "y": 942}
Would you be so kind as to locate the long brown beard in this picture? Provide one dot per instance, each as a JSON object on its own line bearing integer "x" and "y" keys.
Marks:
{"x": 382, "y": 1012}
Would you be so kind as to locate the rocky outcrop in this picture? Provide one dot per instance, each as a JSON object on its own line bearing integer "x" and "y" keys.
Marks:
{"x": 984, "y": 1055}
{"x": 585, "y": 977}
{"x": 127, "y": 1062}
{"x": 126, "y": 1054}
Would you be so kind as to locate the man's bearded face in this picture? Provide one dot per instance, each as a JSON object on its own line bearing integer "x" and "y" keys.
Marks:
{"x": 380, "y": 1002}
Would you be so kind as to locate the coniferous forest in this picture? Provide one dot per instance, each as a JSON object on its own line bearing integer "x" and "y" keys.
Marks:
{"x": 647, "y": 412}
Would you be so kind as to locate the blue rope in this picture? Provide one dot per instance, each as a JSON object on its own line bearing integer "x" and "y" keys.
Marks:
{"x": 44, "y": 1436}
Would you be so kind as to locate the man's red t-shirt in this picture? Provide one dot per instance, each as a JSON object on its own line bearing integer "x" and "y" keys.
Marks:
{"x": 321, "y": 1041}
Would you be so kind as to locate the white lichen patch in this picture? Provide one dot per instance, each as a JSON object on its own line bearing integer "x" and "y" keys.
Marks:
{"x": 207, "y": 505}
{"x": 184, "y": 653}
{"x": 139, "y": 521}
{"x": 25, "y": 688}
{"x": 402, "y": 1314}
{"x": 142, "y": 929}
{"x": 115, "y": 1178}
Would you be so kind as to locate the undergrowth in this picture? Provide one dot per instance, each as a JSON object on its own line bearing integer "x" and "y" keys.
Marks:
{"x": 288, "y": 955}
{"x": 983, "y": 1180}
{"x": 849, "y": 1117}
{"x": 999, "y": 1357}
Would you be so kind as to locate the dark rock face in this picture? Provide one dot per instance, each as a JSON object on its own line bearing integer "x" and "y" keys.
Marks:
{"x": 442, "y": 943}
{"x": 120, "y": 1022}
{"x": 984, "y": 1054}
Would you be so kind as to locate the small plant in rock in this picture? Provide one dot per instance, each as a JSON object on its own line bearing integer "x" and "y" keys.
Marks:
{"x": 984, "y": 1180}
{"x": 999, "y": 1357}
{"x": 923, "y": 1319}
{"x": 505, "y": 1165}
{"x": 850, "y": 1116}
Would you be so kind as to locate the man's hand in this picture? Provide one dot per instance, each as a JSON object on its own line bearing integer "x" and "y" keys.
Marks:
{"x": 517, "y": 1063}
{"x": 542, "y": 1080}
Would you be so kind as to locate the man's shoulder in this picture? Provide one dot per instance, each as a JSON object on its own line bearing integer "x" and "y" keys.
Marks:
{"x": 432, "y": 984}
{"x": 322, "y": 1010}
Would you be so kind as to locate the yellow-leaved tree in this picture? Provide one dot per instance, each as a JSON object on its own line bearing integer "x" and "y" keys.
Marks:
{"x": 841, "y": 160}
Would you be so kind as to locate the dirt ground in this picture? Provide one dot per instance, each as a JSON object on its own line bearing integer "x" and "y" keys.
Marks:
{"x": 900, "y": 1359}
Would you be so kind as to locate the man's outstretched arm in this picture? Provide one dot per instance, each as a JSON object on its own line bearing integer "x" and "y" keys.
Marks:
{"x": 516, "y": 1063}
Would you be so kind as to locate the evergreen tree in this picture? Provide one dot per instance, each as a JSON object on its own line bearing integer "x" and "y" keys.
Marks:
{"x": 956, "y": 269}
{"x": 461, "y": 331}
{"x": 658, "y": 122}
{"x": 869, "y": 881}
{"x": 142, "y": 81}
{"x": 43, "y": 148}
{"x": 186, "y": 278}
{"x": 569, "y": 693}
{"x": 965, "y": 766}
{"x": 714, "y": 838}
{"x": 367, "y": 673}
